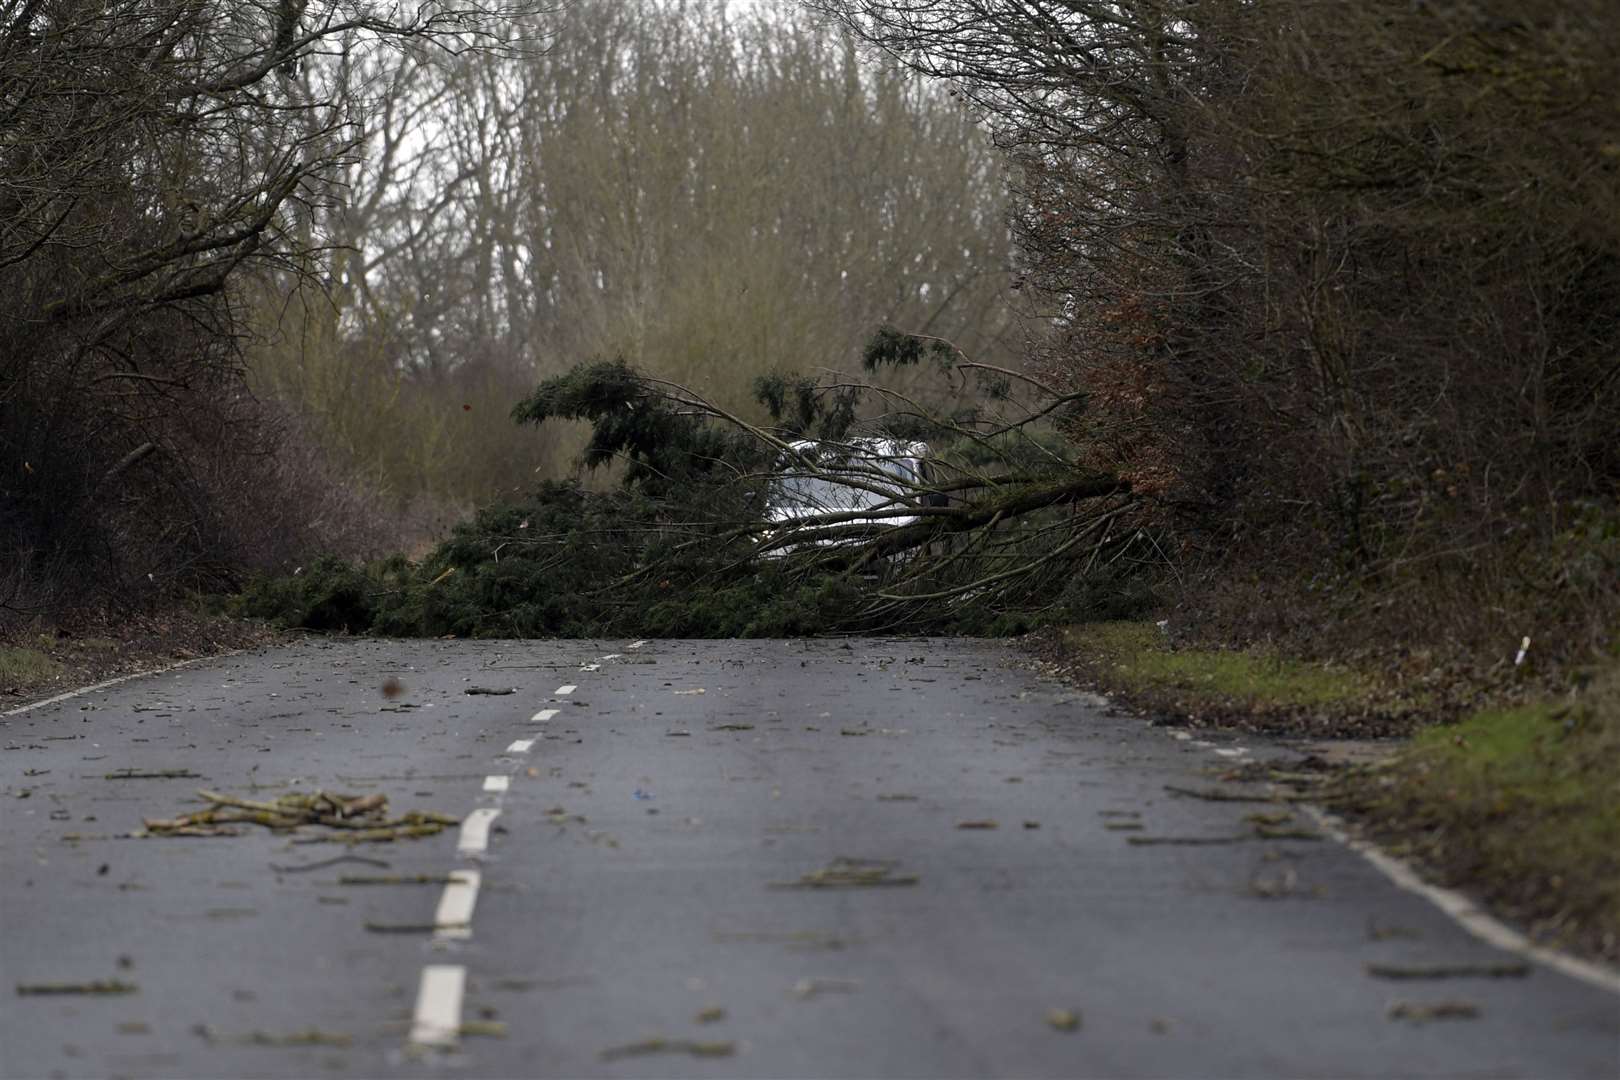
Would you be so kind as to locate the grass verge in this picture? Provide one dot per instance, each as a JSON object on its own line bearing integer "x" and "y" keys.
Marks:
{"x": 39, "y": 660}
{"x": 1253, "y": 689}
{"x": 23, "y": 665}
{"x": 1517, "y": 805}
{"x": 1520, "y": 806}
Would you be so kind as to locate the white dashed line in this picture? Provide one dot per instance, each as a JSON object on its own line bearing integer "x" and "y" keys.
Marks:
{"x": 564, "y": 691}
{"x": 1232, "y": 751}
{"x": 437, "y": 1021}
{"x": 497, "y": 783}
{"x": 542, "y": 716}
{"x": 590, "y": 667}
{"x": 635, "y": 645}
{"x": 520, "y": 746}
{"x": 612, "y": 656}
{"x": 475, "y": 831}
{"x": 453, "y": 920}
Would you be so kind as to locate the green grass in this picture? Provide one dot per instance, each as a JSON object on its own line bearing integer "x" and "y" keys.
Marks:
{"x": 1522, "y": 805}
{"x": 1136, "y": 658}
{"x": 22, "y": 666}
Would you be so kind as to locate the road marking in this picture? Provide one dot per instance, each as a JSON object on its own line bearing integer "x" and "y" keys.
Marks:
{"x": 635, "y": 645}
{"x": 520, "y": 746}
{"x": 437, "y": 1021}
{"x": 497, "y": 784}
{"x": 1232, "y": 751}
{"x": 1463, "y": 910}
{"x": 590, "y": 667}
{"x": 542, "y": 716}
{"x": 453, "y": 920}
{"x": 564, "y": 691}
{"x": 475, "y": 831}
{"x": 114, "y": 682}
{"x": 612, "y": 656}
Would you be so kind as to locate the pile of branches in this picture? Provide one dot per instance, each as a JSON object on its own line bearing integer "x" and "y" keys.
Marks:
{"x": 359, "y": 818}
{"x": 991, "y": 526}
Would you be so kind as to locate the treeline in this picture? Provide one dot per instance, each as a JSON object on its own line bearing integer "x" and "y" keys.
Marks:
{"x": 272, "y": 275}
{"x": 1342, "y": 284}
{"x": 710, "y": 191}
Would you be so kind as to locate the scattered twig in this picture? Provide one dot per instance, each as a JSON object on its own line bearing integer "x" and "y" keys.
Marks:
{"x": 381, "y": 864}
{"x": 1512, "y": 970}
{"x": 96, "y": 987}
{"x": 309, "y": 1037}
{"x": 1419, "y": 1013}
{"x": 844, "y": 873}
{"x": 810, "y": 987}
{"x": 1228, "y": 796}
{"x": 150, "y": 774}
{"x": 695, "y": 1047}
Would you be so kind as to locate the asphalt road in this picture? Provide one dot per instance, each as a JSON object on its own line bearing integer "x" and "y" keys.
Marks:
{"x": 644, "y": 902}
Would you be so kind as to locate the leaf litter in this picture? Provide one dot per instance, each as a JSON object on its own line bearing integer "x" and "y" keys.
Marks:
{"x": 814, "y": 986}
{"x": 847, "y": 873}
{"x": 1423, "y": 1012}
{"x": 1066, "y": 1020}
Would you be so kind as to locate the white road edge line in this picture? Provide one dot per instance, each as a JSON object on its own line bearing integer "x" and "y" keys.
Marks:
{"x": 520, "y": 746}
{"x": 542, "y": 716}
{"x": 474, "y": 838}
{"x": 566, "y": 689}
{"x": 497, "y": 783}
{"x": 1464, "y": 912}
{"x": 453, "y": 920}
{"x": 437, "y": 1021}
{"x": 69, "y": 695}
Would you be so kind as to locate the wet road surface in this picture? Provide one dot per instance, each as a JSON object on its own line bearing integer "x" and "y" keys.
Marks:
{"x": 880, "y": 858}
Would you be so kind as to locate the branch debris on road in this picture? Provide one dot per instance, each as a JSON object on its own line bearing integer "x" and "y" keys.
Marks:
{"x": 1449, "y": 971}
{"x": 843, "y": 873}
{"x": 95, "y": 988}
{"x": 364, "y": 818}
{"x": 1421, "y": 1012}
{"x": 695, "y": 1047}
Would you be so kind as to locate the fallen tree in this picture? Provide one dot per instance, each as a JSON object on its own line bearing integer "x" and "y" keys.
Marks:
{"x": 963, "y": 514}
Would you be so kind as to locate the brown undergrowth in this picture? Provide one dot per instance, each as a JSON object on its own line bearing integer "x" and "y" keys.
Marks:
{"x": 39, "y": 660}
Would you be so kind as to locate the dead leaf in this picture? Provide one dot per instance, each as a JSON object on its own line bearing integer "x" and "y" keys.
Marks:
{"x": 1063, "y": 1019}
{"x": 1423, "y": 1012}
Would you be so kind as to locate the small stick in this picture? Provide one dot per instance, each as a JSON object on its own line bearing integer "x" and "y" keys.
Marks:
{"x": 381, "y": 864}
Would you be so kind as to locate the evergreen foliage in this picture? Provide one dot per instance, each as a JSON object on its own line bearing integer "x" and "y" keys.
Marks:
{"x": 682, "y": 546}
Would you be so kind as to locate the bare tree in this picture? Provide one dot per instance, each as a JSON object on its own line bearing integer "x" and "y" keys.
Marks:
{"x": 152, "y": 153}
